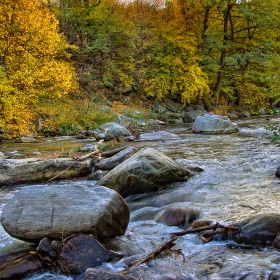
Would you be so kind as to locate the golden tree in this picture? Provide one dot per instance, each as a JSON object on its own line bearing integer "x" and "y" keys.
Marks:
{"x": 33, "y": 61}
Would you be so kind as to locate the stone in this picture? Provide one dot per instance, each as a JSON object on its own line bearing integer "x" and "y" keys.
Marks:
{"x": 97, "y": 274}
{"x": 88, "y": 148}
{"x": 57, "y": 211}
{"x": 110, "y": 131}
{"x": 26, "y": 138}
{"x": 79, "y": 253}
{"x": 115, "y": 160}
{"x": 18, "y": 265}
{"x": 209, "y": 123}
{"x": 129, "y": 122}
{"x": 177, "y": 215}
{"x": 277, "y": 173}
{"x": 97, "y": 175}
{"x": 260, "y": 229}
{"x": 15, "y": 171}
{"x": 2, "y": 156}
{"x": 143, "y": 172}
{"x": 45, "y": 248}
{"x": 190, "y": 116}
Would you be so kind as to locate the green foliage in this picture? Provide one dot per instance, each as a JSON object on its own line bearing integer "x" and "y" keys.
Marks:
{"x": 275, "y": 128}
{"x": 33, "y": 61}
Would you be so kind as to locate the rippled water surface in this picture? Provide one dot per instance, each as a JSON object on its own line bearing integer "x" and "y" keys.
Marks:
{"x": 238, "y": 181}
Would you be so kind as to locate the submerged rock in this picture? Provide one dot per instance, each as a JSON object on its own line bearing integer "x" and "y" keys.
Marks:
{"x": 177, "y": 215}
{"x": 145, "y": 171}
{"x": 97, "y": 274}
{"x": 54, "y": 211}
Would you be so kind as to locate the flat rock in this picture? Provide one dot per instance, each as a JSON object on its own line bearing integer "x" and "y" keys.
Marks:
{"x": 15, "y": 171}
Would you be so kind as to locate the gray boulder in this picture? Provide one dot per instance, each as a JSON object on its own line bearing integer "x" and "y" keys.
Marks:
{"x": 214, "y": 124}
{"x": 57, "y": 211}
{"x": 261, "y": 229}
{"x": 115, "y": 160}
{"x": 143, "y": 172}
{"x": 110, "y": 131}
{"x": 15, "y": 171}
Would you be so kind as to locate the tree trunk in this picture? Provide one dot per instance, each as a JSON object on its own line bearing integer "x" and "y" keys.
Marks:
{"x": 218, "y": 86}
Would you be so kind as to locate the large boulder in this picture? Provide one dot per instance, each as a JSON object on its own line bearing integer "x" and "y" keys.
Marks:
{"x": 15, "y": 171}
{"x": 110, "y": 131}
{"x": 214, "y": 124}
{"x": 57, "y": 211}
{"x": 260, "y": 229}
{"x": 143, "y": 172}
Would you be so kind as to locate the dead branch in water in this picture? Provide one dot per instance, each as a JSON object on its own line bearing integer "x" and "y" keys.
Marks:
{"x": 167, "y": 245}
{"x": 81, "y": 158}
{"x": 104, "y": 154}
{"x": 200, "y": 229}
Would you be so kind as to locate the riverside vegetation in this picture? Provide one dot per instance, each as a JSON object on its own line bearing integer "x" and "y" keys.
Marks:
{"x": 71, "y": 65}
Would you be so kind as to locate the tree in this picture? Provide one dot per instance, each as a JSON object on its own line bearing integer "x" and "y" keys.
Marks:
{"x": 33, "y": 61}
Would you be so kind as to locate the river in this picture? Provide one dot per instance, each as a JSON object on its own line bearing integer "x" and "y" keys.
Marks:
{"x": 238, "y": 181}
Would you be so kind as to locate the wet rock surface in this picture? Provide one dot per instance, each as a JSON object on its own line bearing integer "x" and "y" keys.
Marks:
{"x": 50, "y": 211}
{"x": 143, "y": 172}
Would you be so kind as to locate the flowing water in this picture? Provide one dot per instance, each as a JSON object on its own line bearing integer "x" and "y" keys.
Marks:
{"x": 238, "y": 181}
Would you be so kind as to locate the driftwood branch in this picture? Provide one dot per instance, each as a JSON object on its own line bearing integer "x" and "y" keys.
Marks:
{"x": 87, "y": 155}
{"x": 200, "y": 229}
{"x": 104, "y": 154}
{"x": 167, "y": 245}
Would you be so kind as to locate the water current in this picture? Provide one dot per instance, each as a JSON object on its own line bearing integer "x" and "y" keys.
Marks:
{"x": 238, "y": 181}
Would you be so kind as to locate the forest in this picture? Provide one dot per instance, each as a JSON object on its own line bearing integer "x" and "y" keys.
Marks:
{"x": 64, "y": 61}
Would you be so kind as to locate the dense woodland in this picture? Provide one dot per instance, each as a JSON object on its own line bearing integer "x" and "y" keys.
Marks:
{"x": 59, "y": 60}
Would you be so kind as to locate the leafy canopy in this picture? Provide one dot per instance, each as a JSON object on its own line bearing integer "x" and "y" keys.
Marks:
{"x": 33, "y": 61}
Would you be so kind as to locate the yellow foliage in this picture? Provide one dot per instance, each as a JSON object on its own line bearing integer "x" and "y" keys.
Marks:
{"x": 33, "y": 61}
